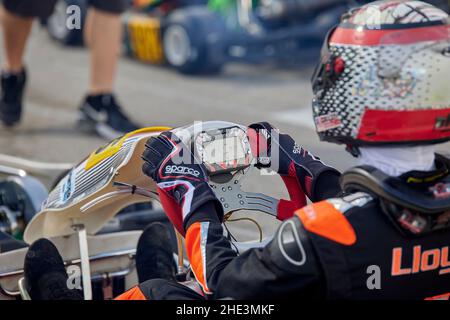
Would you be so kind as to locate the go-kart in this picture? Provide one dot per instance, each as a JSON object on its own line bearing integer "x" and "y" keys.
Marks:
{"x": 110, "y": 179}
{"x": 200, "y": 36}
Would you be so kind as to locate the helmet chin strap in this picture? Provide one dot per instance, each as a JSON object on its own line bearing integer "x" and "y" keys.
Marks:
{"x": 394, "y": 161}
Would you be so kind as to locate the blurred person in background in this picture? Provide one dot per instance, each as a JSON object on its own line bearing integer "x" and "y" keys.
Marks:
{"x": 100, "y": 111}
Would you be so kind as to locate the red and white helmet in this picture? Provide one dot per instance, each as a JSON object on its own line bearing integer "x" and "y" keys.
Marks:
{"x": 384, "y": 76}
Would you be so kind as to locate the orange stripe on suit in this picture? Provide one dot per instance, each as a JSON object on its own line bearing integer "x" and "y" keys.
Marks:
{"x": 323, "y": 219}
{"x": 195, "y": 252}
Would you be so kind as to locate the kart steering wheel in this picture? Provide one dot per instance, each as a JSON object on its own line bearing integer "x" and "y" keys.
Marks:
{"x": 225, "y": 149}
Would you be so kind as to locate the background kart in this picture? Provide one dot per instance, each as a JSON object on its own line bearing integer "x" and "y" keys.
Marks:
{"x": 201, "y": 36}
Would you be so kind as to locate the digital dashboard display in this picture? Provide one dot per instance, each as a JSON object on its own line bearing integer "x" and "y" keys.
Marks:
{"x": 223, "y": 150}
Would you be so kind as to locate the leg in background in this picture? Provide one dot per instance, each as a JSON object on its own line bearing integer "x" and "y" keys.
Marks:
{"x": 100, "y": 113}
{"x": 16, "y": 30}
{"x": 103, "y": 34}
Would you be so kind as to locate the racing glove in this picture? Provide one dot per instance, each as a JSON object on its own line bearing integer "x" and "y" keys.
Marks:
{"x": 299, "y": 169}
{"x": 182, "y": 183}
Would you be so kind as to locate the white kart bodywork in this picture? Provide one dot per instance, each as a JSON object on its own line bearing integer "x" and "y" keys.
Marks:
{"x": 109, "y": 180}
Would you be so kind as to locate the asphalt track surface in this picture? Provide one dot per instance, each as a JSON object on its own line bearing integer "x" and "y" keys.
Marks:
{"x": 153, "y": 95}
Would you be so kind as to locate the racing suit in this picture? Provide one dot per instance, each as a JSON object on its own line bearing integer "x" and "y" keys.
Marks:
{"x": 339, "y": 248}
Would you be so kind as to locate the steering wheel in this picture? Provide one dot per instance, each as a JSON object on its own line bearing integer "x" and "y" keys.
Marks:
{"x": 225, "y": 149}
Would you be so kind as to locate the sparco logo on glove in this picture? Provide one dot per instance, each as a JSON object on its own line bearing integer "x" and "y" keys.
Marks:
{"x": 182, "y": 170}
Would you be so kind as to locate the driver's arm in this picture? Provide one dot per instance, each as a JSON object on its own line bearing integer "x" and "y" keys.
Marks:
{"x": 196, "y": 213}
{"x": 304, "y": 171}
{"x": 282, "y": 268}
{"x": 326, "y": 186}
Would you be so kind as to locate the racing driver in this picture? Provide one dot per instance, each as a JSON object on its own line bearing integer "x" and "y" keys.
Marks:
{"x": 381, "y": 230}
{"x": 381, "y": 88}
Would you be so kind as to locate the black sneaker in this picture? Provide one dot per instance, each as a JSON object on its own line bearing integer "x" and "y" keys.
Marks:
{"x": 154, "y": 254}
{"x": 12, "y": 85}
{"x": 45, "y": 274}
{"x": 101, "y": 114}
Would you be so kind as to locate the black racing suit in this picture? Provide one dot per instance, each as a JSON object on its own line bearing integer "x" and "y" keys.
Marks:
{"x": 341, "y": 248}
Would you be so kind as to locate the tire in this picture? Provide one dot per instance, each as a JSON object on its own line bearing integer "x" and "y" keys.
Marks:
{"x": 193, "y": 40}
{"x": 30, "y": 190}
{"x": 56, "y": 23}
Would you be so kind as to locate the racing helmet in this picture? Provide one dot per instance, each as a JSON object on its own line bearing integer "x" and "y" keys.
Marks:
{"x": 384, "y": 76}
